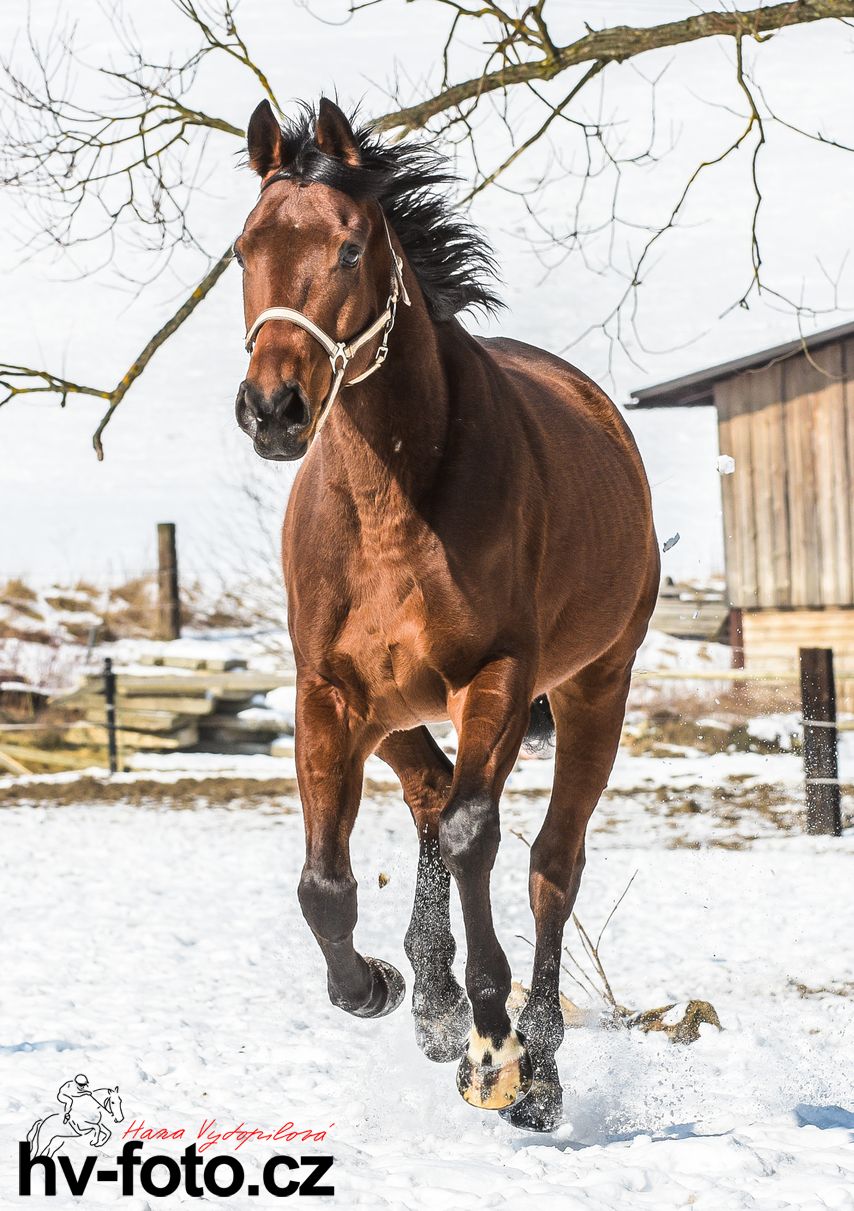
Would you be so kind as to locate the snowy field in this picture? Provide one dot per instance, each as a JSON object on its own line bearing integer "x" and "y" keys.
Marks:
{"x": 151, "y": 934}
{"x": 163, "y": 950}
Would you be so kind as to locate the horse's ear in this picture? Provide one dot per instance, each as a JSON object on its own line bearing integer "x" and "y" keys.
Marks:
{"x": 334, "y": 135}
{"x": 264, "y": 140}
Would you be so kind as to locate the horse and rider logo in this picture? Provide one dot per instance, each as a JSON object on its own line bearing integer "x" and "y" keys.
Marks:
{"x": 85, "y": 1112}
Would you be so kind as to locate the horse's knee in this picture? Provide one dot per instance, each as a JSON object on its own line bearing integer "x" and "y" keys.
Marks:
{"x": 328, "y": 903}
{"x": 469, "y": 834}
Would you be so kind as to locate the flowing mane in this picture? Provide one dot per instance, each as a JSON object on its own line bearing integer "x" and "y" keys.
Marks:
{"x": 451, "y": 259}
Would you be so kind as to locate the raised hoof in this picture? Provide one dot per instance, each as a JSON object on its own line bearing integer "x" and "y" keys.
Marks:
{"x": 387, "y": 992}
{"x": 495, "y": 1078}
{"x": 443, "y": 1036}
{"x": 542, "y": 1109}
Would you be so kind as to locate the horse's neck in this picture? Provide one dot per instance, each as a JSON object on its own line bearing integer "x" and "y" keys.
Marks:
{"x": 386, "y": 438}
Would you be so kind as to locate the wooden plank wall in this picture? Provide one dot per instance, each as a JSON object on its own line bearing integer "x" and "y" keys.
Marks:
{"x": 734, "y": 434}
{"x": 772, "y": 638}
{"x": 789, "y": 507}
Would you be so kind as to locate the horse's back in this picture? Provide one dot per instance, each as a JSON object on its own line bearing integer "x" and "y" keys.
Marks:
{"x": 561, "y": 395}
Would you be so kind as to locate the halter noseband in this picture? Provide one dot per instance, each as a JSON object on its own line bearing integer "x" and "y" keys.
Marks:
{"x": 341, "y": 353}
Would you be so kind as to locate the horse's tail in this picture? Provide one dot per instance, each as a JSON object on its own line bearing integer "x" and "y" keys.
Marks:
{"x": 541, "y": 726}
{"x": 33, "y": 1136}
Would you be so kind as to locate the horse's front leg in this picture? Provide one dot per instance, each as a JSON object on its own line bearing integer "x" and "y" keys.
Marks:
{"x": 439, "y": 1006}
{"x": 331, "y": 746}
{"x": 495, "y": 1071}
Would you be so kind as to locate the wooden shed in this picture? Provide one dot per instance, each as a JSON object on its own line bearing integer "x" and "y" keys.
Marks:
{"x": 786, "y": 415}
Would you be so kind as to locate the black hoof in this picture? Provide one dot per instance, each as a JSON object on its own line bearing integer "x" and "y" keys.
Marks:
{"x": 387, "y": 992}
{"x": 442, "y": 1036}
{"x": 542, "y": 1109}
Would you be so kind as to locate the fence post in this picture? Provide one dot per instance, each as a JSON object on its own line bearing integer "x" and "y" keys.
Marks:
{"x": 821, "y": 767}
{"x": 736, "y": 636}
{"x": 169, "y": 602}
{"x": 110, "y": 697}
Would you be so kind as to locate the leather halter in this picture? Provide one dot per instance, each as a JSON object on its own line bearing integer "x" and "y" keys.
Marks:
{"x": 341, "y": 353}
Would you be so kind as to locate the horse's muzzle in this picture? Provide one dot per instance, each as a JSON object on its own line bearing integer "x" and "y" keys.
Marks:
{"x": 278, "y": 424}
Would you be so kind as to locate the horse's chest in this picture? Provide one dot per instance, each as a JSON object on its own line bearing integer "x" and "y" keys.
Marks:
{"x": 386, "y": 642}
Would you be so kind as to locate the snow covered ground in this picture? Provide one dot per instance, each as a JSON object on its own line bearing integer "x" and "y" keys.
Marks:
{"x": 164, "y": 951}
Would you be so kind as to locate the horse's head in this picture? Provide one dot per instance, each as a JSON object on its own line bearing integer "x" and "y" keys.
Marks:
{"x": 113, "y": 1104}
{"x": 318, "y": 271}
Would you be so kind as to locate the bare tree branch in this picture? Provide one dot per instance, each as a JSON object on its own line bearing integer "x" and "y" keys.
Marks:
{"x": 21, "y": 380}
{"x": 614, "y": 45}
{"x": 86, "y": 173}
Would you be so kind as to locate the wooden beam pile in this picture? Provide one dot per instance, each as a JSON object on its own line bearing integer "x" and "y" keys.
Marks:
{"x": 183, "y": 703}
{"x": 198, "y": 706}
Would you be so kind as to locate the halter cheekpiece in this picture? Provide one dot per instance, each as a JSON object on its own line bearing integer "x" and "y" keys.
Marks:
{"x": 341, "y": 353}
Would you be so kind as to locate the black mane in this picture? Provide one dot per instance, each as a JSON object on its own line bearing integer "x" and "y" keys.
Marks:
{"x": 451, "y": 259}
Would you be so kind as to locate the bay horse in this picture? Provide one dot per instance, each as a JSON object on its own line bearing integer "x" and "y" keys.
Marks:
{"x": 470, "y": 532}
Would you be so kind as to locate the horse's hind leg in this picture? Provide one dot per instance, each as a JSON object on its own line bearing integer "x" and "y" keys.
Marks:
{"x": 439, "y": 1006}
{"x": 331, "y": 745}
{"x": 588, "y": 713}
{"x": 55, "y": 1143}
{"x": 495, "y": 1070}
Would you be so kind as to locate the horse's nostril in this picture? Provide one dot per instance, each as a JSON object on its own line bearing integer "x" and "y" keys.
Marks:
{"x": 293, "y": 408}
{"x": 286, "y": 407}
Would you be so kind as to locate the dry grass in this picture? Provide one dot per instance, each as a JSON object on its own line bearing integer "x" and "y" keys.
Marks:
{"x": 725, "y": 701}
{"x": 17, "y": 590}
{"x": 182, "y": 794}
{"x": 125, "y": 611}
{"x": 666, "y": 732}
{"x": 837, "y": 988}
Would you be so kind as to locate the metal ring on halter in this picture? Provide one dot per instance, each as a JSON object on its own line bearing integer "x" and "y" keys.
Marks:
{"x": 344, "y": 351}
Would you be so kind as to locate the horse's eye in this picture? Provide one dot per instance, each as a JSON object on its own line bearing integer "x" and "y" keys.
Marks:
{"x": 349, "y": 256}
{"x": 237, "y": 257}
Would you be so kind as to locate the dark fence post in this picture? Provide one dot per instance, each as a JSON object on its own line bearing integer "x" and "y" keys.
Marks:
{"x": 110, "y": 696}
{"x": 169, "y": 602}
{"x": 821, "y": 767}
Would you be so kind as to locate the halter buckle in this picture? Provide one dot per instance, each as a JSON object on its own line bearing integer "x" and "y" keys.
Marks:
{"x": 340, "y": 352}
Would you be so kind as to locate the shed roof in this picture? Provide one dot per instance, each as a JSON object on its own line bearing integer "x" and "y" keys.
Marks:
{"x": 697, "y": 389}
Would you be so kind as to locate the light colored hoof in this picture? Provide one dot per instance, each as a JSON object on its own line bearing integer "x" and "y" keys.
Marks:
{"x": 494, "y": 1078}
